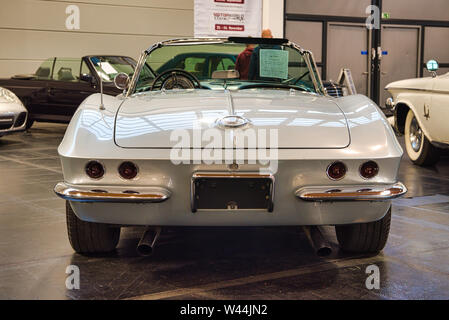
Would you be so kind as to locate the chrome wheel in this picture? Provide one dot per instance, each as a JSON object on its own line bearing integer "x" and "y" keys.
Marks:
{"x": 416, "y": 135}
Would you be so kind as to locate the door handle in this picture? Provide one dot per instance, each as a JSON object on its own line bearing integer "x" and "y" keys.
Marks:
{"x": 365, "y": 73}
{"x": 384, "y": 73}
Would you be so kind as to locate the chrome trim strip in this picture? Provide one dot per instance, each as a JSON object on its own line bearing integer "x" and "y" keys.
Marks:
{"x": 133, "y": 83}
{"x": 418, "y": 89}
{"x": 352, "y": 193}
{"x": 111, "y": 194}
{"x": 317, "y": 75}
{"x": 136, "y": 74}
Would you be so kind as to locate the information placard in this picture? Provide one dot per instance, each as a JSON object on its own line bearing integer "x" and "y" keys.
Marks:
{"x": 273, "y": 63}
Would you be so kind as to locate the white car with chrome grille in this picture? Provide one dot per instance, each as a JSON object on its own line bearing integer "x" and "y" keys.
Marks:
{"x": 194, "y": 142}
{"x": 421, "y": 109}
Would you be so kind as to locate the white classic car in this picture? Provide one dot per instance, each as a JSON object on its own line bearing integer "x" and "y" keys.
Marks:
{"x": 266, "y": 147}
{"x": 421, "y": 112}
{"x": 13, "y": 114}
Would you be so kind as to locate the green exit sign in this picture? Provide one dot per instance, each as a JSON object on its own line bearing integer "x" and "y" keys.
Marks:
{"x": 385, "y": 15}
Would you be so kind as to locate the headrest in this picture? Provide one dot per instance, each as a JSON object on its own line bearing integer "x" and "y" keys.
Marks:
{"x": 199, "y": 66}
{"x": 43, "y": 72}
{"x": 65, "y": 74}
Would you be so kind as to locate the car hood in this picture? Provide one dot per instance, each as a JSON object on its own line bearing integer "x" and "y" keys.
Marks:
{"x": 299, "y": 120}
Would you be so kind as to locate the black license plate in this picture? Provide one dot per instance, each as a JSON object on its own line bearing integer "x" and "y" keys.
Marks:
{"x": 225, "y": 193}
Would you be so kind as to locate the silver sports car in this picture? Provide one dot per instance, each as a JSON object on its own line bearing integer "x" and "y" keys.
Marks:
{"x": 13, "y": 114}
{"x": 219, "y": 141}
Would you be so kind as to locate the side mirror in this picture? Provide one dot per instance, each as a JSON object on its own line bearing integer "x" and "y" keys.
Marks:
{"x": 86, "y": 77}
{"x": 432, "y": 66}
{"x": 225, "y": 74}
{"x": 121, "y": 81}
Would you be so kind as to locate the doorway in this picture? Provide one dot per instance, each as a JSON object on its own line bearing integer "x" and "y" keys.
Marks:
{"x": 401, "y": 55}
{"x": 347, "y": 47}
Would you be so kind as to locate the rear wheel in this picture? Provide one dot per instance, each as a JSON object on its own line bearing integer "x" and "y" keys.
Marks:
{"x": 90, "y": 237}
{"x": 419, "y": 148}
{"x": 368, "y": 237}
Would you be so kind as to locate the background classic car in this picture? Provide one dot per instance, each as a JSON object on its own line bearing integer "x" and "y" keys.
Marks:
{"x": 336, "y": 164}
{"x": 13, "y": 114}
{"x": 421, "y": 113}
{"x": 59, "y": 85}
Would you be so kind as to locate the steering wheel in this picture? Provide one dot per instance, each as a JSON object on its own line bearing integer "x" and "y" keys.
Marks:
{"x": 175, "y": 79}
{"x": 297, "y": 80}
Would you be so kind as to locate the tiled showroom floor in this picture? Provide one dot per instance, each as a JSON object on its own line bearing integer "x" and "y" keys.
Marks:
{"x": 209, "y": 263}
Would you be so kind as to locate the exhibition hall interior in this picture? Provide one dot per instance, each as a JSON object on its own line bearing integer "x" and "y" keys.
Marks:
{"x": 224, "y": 150}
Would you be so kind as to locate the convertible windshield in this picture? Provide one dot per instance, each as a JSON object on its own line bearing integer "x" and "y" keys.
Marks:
{"x": 213, "y": 64}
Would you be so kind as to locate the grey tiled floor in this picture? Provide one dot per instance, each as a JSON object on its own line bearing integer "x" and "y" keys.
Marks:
{"x": 218, "y": 263}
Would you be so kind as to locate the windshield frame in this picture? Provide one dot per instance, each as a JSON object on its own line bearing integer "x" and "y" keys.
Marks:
{"x": 308, "y": 57}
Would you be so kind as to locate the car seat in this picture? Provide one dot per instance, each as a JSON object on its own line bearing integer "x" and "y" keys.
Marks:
{"x": 65, "y": 74}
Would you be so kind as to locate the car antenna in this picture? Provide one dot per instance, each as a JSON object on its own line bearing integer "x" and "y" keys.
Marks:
{"x": 101, "y": 90}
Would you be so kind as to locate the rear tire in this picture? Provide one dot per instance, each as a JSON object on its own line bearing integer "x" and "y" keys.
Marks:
{"x": 90, "y": 237}
{"x": 422, "y": 153}
{"x": 368, "y": 237}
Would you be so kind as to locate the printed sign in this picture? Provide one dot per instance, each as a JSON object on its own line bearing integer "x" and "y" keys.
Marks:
{"x": 273, "y": 63}
{"x": 225, "y": 18}
{"x": 345, "y": 78}
{"x": 106, "y": 66}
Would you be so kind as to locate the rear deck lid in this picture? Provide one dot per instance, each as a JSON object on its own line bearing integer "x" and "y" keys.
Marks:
{"x": 154, "y": 120}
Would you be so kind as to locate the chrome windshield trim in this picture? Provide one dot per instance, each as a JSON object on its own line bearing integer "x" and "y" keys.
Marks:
{"x": 310, "y": 61}
{"x": 111, "y": 194}
{"x": 314, "y": 74}
{"x": 352, "y": 193}
{"x": 135, "y": 77}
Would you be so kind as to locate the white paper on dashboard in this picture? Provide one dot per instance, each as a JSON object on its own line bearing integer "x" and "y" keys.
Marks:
{"x": 106, "y": 66}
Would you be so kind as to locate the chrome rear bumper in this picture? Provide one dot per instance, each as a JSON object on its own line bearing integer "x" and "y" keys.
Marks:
{"x": 111, "y": 194}
{"x": 351, "y": 193}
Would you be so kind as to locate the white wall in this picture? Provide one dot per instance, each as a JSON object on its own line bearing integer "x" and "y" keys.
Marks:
{"x": 33, "y": 30}
{"x": 273, "y": 17}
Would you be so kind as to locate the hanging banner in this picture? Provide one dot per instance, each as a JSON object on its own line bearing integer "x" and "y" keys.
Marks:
{"x": 225, "y": 18}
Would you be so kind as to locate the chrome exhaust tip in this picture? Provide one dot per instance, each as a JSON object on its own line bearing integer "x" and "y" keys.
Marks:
{"x": 146, "y": 245}
{"x": 317, "y": 240}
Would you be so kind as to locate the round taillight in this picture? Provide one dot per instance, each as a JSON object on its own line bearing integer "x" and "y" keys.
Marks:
{"x": 94, "y": 169}
{"x": 369, "y": 169}
{"x": 336, "y": 170}
{"x": 127, "y": 170}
